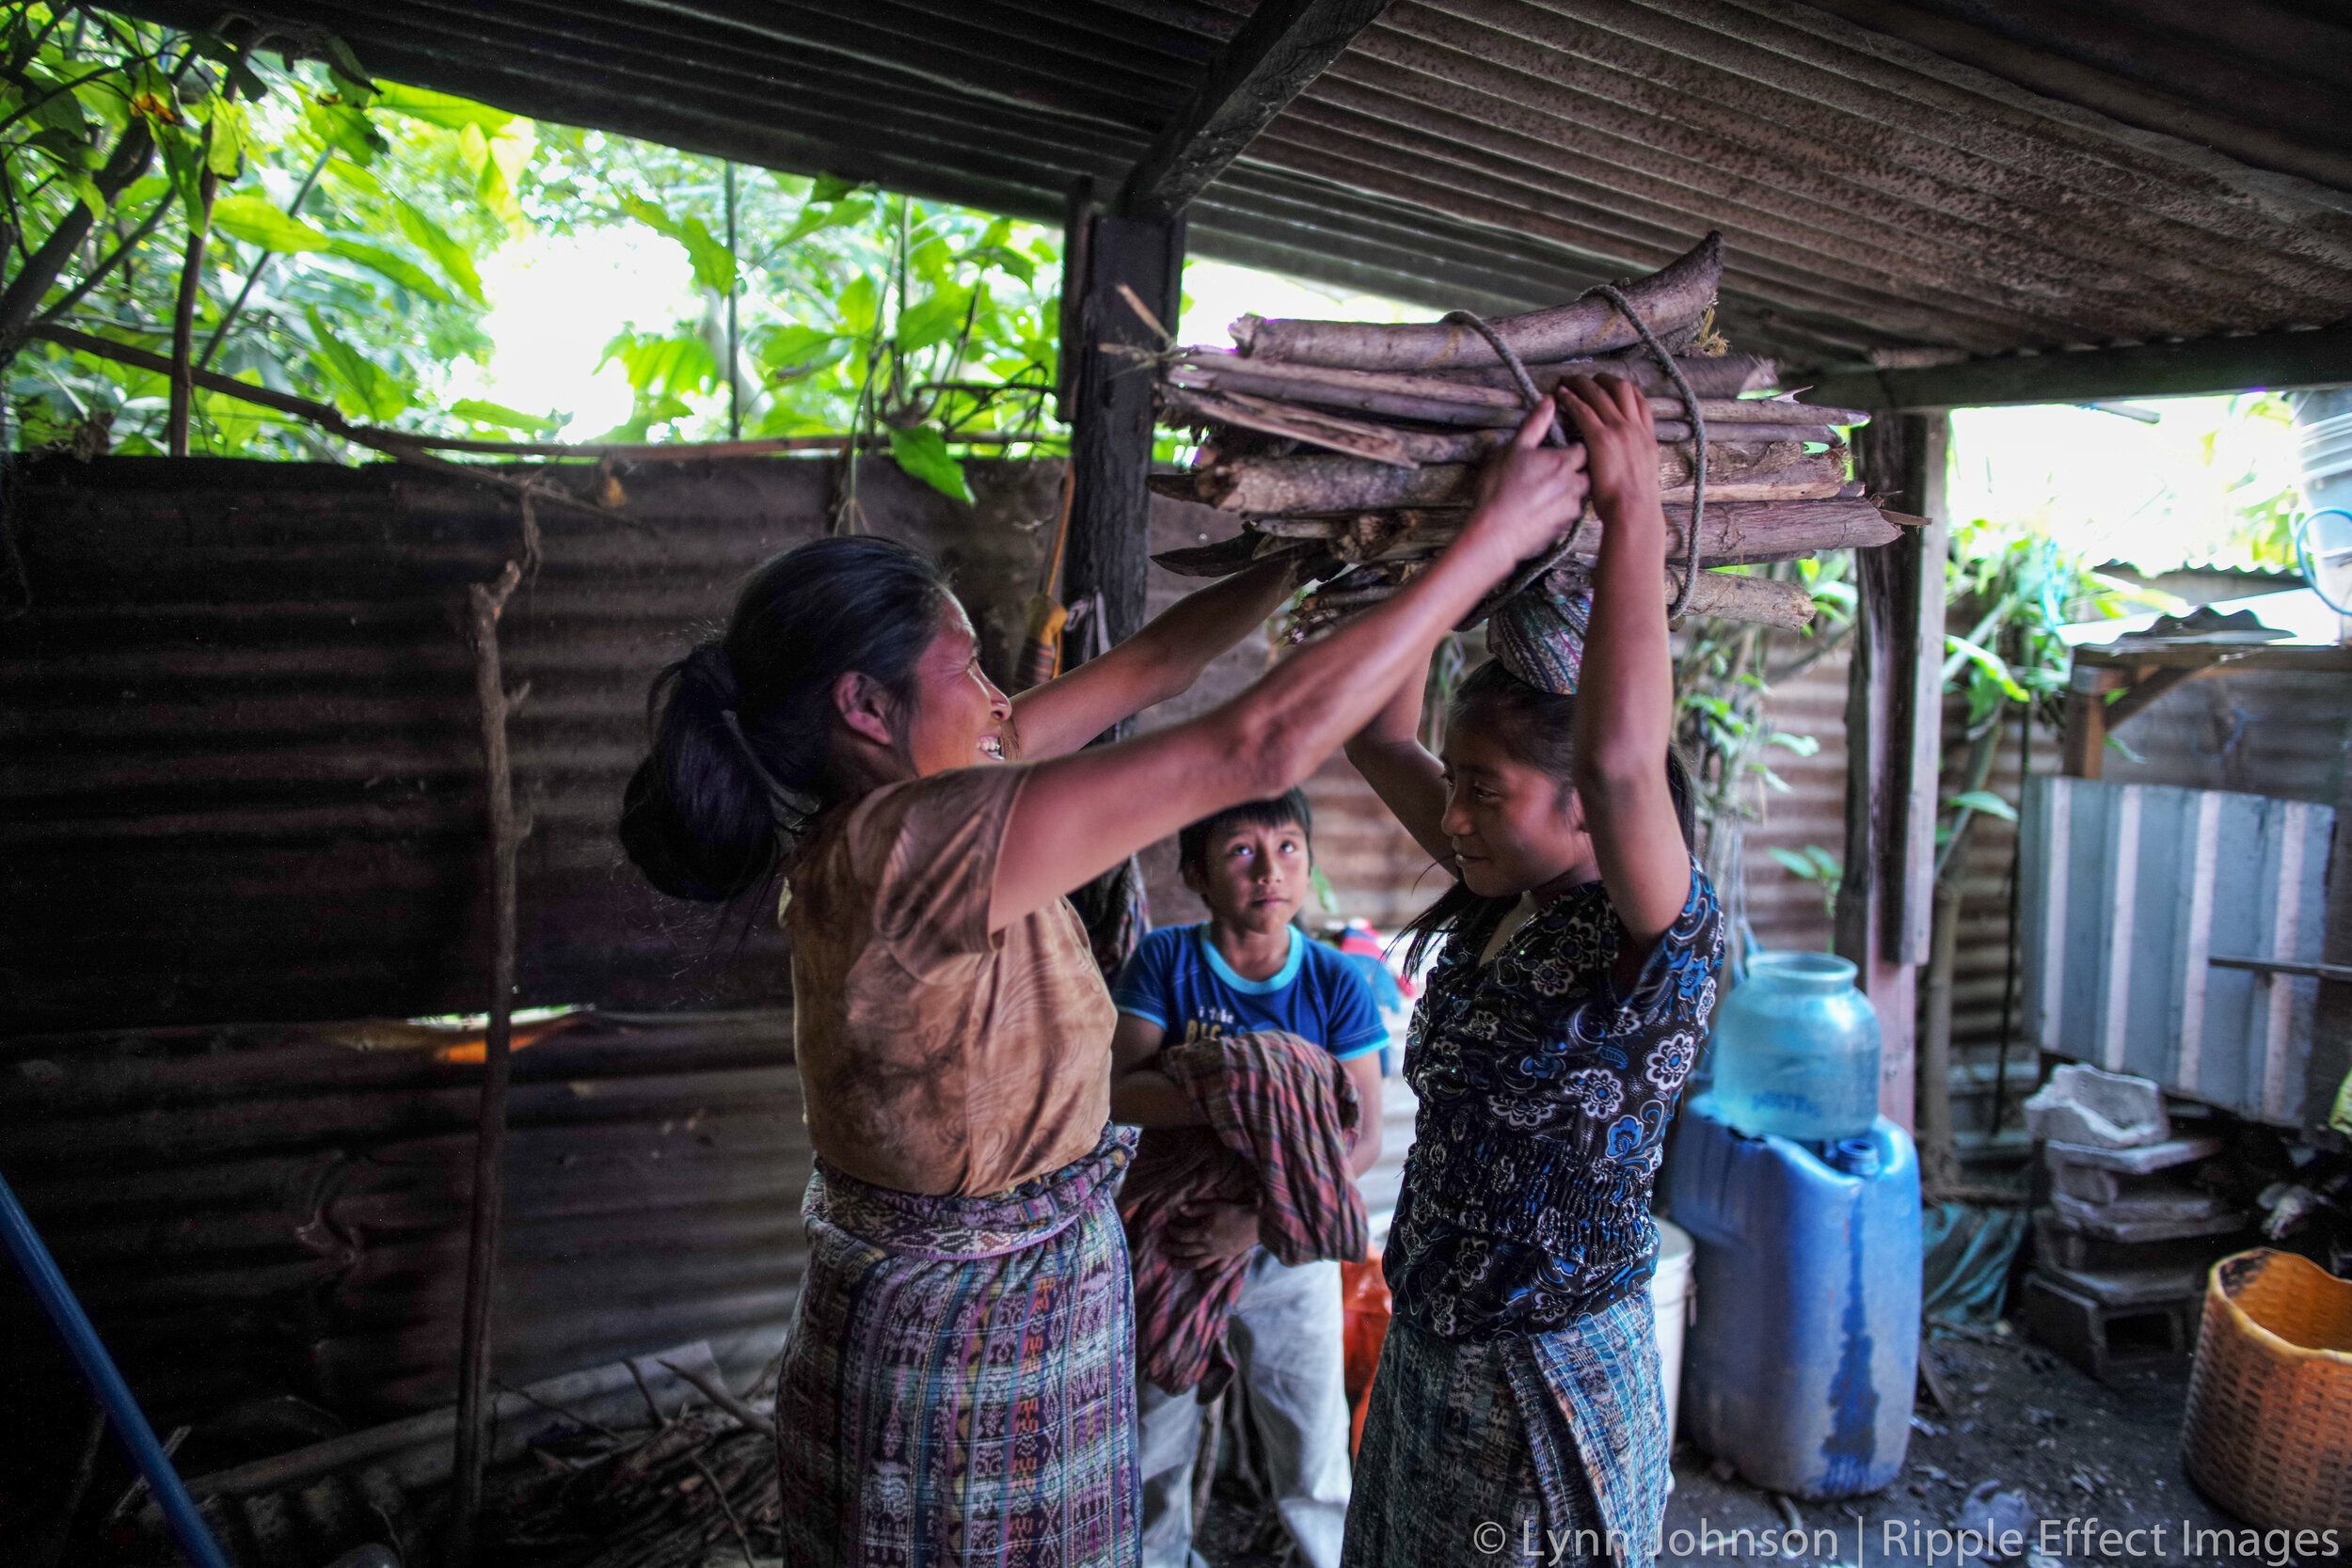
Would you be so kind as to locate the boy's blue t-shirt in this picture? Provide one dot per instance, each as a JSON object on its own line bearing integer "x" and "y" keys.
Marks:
{"x": 1178, "y": 981}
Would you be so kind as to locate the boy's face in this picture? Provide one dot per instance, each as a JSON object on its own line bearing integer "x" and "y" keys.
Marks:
{"x": 1254, "y": 878}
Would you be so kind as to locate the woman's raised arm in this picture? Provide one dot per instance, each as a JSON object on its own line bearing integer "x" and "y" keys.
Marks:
{"x": 1158, "y": 662}
{"x": 1080, "y": 814}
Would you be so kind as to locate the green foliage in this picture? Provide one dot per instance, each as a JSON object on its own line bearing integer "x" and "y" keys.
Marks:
{"x": 858, "y": 312}
{"x": 339, "y": 260}
{"x": 343, "y": 262}
{"x": 1723, "y": 678}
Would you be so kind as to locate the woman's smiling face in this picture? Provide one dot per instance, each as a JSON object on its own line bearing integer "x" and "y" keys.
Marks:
{"x": 959, "y": 714}
{"x": 1514, "y": 827}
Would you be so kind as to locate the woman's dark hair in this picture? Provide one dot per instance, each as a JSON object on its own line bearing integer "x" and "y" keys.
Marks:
{"x": 742, "y": 724}
{"x": 1538, "y": 729}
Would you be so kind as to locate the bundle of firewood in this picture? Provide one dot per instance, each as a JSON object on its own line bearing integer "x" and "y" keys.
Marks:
{"x": 1356, "y": 446}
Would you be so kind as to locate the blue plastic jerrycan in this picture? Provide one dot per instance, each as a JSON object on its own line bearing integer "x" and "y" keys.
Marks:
{"x": 1802, "y": 1366}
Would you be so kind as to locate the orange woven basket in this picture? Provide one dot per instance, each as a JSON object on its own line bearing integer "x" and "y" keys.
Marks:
{"x": 2269, "y": 1430}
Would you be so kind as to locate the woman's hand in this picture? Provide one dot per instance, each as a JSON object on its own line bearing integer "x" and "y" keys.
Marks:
{"x": 1529, "y": 493}
{"x": 1206, "y": 1234}
{"x": 1620, "y": 444}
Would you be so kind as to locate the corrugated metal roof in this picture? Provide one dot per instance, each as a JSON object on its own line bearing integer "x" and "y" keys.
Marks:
{"x": 1896, "y": 182}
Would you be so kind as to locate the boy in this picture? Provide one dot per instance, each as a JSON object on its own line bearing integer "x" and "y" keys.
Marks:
{"x": 1250, "y": 968}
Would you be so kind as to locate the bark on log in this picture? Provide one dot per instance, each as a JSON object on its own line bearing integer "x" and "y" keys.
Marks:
{"x": 1279, "y": 486}
{"x": 1674, "y": 296}
{"x": 1739, "y": 533}
{"x": 1439, "y": 400}
{"x": 1717, "y": 595}
{"x": 1727, "y": 375}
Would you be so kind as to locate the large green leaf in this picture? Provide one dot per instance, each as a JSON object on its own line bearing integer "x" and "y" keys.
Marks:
{"x": 921, "y": 452}
{"x": 497, "y": 413}
{"x": 455, "y": 259}
{"x": 795, "y": 351}
{"x": 254, "y": 220}
{"x": 933, "y": 319}
{"x": 347, "y": 129}
{"x": 363, "y": 388}
{"x": 858, "y": 304}
{"x": 714, "y": 263}
{"x": 1987, "y": 802}
{"x": 398, "y": 268}
{"x": 440, "y": 108}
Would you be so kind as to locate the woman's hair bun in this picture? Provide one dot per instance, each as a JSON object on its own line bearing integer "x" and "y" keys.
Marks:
{"x": 742, "y": 724}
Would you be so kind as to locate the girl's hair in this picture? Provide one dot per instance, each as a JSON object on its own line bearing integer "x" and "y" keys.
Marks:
{"x": 1538, "y": 729}
{"x": 742, "y": 724}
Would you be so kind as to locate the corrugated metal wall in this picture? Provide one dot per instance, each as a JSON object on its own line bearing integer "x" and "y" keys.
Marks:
{"x": 2129, "y": 889}
{"x": 239, "y": 753}
{"x": 260, "y": 1210}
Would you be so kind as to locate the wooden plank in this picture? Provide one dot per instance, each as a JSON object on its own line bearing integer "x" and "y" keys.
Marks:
{"x": 2300, "y": 657}
{"x": 2144, "y": 691}
{"x": 1282, "y": 48}
{"x": 1109, "y": 551}
{"x": 2199, "y": 366}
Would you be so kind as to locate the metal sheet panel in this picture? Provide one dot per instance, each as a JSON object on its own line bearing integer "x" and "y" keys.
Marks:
{"x": 259, "y": 1211}
{"x": 2128, "y": 891}
{"x": 239, "y": 754}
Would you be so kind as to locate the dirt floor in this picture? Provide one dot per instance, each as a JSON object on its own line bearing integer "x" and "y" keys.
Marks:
{"x": 2103, "y": 1457}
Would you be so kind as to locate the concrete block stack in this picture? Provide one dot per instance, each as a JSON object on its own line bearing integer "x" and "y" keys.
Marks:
{"x": 2122, "y": 1246}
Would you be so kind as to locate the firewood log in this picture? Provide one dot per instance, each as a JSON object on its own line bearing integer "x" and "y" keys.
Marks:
{"x": 1673, "y": 297}
{"x": 1727, "y": 375}
{"x": 1737, "y": 534}
{"x": 1435, "y": 400}
{"x": 1278, "y": 486}
{"x": 1716, "y": 595}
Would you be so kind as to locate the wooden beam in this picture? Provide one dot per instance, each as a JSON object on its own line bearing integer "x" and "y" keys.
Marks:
{"x": 1283, "y": 46}
{"x": 2198, "y": 366}
{"x": 1111, "y": 408}
{"x": 1886, "y": 903}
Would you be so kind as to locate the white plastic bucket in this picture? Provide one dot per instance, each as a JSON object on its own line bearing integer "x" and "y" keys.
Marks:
{"x": 1673, "y": 1295}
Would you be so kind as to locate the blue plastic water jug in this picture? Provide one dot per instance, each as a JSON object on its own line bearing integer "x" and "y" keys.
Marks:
{"x": 1799, "y": 1368}
{"x": 1796, "y": 1050}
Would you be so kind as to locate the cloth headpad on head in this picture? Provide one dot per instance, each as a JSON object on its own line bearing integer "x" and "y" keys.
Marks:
{"x": 1538, "y": 633}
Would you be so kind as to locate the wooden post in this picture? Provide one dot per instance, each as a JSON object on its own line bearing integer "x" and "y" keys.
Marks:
{"x": 1110, "y": 407}
{"x": 1893, "y": 724}
{"x": 2084, "y": 749}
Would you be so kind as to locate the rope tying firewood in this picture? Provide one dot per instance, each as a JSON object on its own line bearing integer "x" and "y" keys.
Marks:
{"x": 1527, "y": 575}
{"x": 1698, "y": 438}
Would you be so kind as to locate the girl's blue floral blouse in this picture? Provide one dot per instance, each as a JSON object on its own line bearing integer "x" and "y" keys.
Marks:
{"x": 1544, "y": 1103}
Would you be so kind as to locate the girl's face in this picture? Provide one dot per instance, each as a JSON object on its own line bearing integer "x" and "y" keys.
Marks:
{"x": 1514, "y": 829}
{"x": 959, "y": 716}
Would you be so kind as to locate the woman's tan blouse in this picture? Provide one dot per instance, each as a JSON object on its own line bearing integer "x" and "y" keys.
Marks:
{"x": 936, "y": 1057}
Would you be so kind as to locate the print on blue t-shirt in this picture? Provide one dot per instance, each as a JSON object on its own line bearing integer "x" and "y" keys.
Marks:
{"x": 1178, "y": 980}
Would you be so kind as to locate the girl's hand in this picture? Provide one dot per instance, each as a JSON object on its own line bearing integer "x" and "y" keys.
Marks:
{"x": 1529, "y": 493}
{"x": 1620, "y": 444}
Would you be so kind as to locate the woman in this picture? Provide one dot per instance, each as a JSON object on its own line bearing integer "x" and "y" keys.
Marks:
{"x": 1516, "y": 1413}
{"x": 959, "y": 1383}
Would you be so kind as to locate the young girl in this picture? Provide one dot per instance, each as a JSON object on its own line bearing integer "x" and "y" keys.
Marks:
{"x": 959, "y": 1383}
{"x": 1516, "y": 1414}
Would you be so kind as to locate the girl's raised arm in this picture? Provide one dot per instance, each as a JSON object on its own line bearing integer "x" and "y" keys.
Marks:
{"x": 1080, "y": 814}
{"x": 1625, "y": 698}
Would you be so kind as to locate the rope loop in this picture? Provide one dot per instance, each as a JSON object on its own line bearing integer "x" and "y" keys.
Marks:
{"x": 1698, "y": 438}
